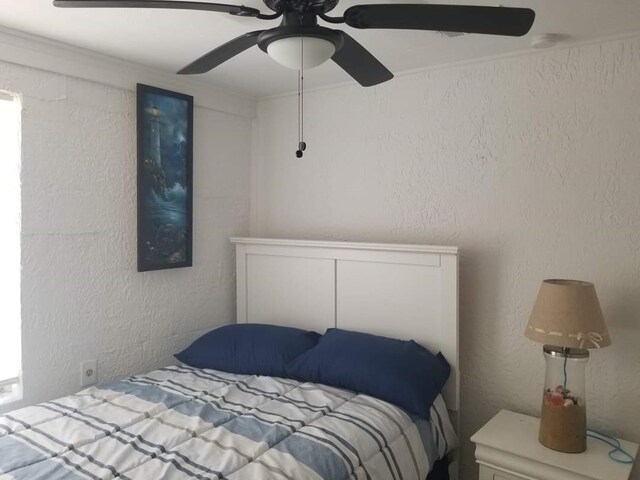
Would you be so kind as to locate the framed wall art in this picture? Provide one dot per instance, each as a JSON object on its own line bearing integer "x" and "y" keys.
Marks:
{"x": 165, "y": 179}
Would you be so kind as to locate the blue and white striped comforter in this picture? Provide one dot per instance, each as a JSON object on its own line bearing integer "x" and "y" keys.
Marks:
{"x": 185, "y": 423}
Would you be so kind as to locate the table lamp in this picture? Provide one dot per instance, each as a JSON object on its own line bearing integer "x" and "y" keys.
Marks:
{"x": 568, "y": 320}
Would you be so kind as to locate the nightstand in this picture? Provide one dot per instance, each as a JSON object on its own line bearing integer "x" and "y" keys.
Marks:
{"x": 507, "y": 448}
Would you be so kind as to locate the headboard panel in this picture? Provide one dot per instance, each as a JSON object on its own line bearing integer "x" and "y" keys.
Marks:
{"x": 401, "y": 291}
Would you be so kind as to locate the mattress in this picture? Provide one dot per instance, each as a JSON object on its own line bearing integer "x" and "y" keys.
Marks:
{"x": 184, "y": 423}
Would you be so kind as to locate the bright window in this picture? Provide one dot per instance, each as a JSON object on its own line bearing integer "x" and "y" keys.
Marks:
{"x": 10, "y": 351}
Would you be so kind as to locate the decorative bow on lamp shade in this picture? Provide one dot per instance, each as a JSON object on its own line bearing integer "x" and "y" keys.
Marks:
{"x": 567, "y": 318}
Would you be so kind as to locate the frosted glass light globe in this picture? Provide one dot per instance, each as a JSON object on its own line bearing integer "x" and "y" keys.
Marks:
{"x": 288, "y": 51}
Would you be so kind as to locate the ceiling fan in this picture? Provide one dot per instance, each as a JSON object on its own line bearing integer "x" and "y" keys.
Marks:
{"x": 299, "y": 42}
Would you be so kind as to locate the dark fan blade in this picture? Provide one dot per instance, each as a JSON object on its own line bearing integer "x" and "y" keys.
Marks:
{"x": 445, "y": 18}
{"x": 360, "y": 64}
{"x": 221, "y": 54}
{"x": 210, "y": 7}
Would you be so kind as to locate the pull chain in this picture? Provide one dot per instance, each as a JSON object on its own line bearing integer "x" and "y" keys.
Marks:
{"x": 301, "y": 145}
{"x": 299, "y": 152}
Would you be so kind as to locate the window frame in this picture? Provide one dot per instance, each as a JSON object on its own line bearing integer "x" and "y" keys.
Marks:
{"x": 11, "y": 387}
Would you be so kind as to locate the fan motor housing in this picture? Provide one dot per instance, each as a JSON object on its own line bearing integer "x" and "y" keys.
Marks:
{"x": 307, "y": 6}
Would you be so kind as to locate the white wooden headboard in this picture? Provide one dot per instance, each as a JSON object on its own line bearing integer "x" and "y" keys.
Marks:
{"x": 401, "y": 291}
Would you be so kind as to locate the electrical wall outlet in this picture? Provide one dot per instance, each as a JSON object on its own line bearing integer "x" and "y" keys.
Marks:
{"x": 89, "y": 372}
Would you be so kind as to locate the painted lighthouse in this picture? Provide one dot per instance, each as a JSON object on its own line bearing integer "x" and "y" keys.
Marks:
{"x": 153, "y": 159}
{"x": 155, "y": 156}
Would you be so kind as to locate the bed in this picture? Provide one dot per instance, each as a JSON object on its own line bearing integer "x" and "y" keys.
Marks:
{"x": 181, "y": 422}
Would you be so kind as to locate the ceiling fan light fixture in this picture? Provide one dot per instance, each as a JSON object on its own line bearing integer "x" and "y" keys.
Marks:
{"x": 294, "y": 52}
{"x": 299, "y": 28}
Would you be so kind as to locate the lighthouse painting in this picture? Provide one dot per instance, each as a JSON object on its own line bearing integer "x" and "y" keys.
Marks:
{"x": 165, "y": 178}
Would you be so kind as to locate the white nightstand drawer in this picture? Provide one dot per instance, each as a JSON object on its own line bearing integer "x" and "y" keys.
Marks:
{"x": 488, "y": 473}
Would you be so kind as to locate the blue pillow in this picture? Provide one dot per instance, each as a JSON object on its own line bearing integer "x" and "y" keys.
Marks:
{"x": 400, "y": 372}
{"x": 247, "y": 348}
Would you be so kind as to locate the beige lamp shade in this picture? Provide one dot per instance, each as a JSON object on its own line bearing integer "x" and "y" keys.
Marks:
{"x": 567, "y": 313}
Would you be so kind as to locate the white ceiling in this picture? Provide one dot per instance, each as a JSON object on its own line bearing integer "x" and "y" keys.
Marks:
{"x": 170, "y": 39}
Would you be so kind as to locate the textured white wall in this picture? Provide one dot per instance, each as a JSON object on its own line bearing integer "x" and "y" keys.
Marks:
{"x": 81, "y": 295}
{"x": 530, "y": 164}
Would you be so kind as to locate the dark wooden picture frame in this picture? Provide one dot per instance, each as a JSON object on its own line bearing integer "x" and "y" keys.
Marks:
{"x": 165, "y": 178}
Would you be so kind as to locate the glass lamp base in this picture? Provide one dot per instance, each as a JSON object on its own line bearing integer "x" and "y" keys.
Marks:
{"x": 563, "y": 419}
{"x": 563, "y": 429}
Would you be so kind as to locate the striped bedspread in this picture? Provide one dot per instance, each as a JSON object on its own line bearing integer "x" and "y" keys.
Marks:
{"x": 185, "y": 423}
